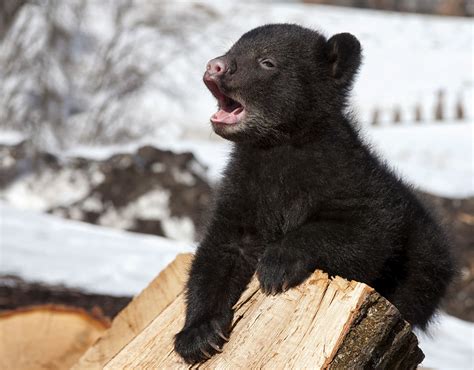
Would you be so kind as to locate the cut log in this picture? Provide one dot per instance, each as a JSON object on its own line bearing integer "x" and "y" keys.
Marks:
{"x": 46, "y": 337}
{"x": 162, "y": 291}
{"x": 323, "y": 323}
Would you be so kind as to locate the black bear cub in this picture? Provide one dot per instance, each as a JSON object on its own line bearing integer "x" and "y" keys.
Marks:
{"x": 302, "y": 191}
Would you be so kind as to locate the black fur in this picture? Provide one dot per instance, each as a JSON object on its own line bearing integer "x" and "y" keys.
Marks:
{"x": 303, "y": 192}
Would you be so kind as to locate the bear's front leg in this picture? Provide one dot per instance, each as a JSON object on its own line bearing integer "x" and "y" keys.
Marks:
{"x": 335, "y": 248}
{"x": 283, "y": 267}
{"x": 218, "y": 276}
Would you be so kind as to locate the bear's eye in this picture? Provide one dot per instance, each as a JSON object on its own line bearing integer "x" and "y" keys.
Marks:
{"x": 267, "y": 63}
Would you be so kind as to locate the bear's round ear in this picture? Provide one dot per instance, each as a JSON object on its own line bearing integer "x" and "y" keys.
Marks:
{"x": 344, "y": 53}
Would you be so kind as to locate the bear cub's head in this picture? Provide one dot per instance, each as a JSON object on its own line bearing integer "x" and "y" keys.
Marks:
{"x": 279, "y": 77}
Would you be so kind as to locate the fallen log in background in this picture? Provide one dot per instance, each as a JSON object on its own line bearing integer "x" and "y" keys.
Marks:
{"x": 323, "y": 323}
{"x": 46, "y": 337}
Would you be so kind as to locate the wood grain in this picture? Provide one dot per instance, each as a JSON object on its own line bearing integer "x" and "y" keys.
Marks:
{"x": 134, "y": 318}
{"x": 323, "y": 323}
{"x": 47, "y": 337}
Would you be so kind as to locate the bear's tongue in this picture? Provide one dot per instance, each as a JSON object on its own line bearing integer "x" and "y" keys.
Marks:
{"x": 230, "y": 111}
{"x": 223, "y": 115}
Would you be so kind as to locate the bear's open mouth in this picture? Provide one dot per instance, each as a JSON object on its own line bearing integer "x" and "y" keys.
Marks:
{"x": 230, "y": 111}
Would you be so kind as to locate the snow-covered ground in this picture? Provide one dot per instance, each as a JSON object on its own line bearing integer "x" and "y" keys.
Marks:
{"x": 437, "y": 158}
{"x": 45, "y": 248}
{"x": 449, "y": 345}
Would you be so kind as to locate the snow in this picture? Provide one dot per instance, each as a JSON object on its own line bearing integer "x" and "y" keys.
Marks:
{"x": 45, "y": 248}
{"x": 52, "y": 188}
{"x": 149, "y": 206}
{"x": 437, "y": 157}
{"x": 10, "y": 137}
{"x": 41, "y": 247}
{"x": 449, "y": 344}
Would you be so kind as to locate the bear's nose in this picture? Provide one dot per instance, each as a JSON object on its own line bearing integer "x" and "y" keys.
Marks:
{"x": 216, "y": 67}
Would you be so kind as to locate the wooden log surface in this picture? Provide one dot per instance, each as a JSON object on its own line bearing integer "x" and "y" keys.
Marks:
{"x": 323, "y": 323}
{"x": 131, "y": 321}
{"x": 47, "y": 337}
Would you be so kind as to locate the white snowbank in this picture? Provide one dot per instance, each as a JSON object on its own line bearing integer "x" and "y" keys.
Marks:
{"x": 51, "y": 188}
{"x": 45, "y": 248}
{"x": 10, "y": 137}
{"x": 437, "y": 157}
{"x": 449, "y": 345}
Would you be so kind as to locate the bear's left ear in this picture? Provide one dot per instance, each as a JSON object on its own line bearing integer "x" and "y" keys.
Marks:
{"x": 344, "y": 54}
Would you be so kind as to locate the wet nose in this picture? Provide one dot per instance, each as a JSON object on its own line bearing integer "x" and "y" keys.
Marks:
{"x": 216, "y": 67}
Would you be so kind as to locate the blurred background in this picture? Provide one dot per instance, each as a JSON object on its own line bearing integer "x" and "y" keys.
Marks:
{"x": 108, "y": 161}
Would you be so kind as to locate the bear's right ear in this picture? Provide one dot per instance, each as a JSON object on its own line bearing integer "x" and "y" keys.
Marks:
{"x": 344, "y": 53}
